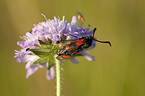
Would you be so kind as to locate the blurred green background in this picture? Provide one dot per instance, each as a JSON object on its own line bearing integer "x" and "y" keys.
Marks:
{"x": 117, "y": 71}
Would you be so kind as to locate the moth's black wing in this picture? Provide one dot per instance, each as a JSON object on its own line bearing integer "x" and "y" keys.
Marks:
{"x": 70, "y": 47}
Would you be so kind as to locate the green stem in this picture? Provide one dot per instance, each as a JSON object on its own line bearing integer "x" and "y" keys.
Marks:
{"x": 58, "y": 78}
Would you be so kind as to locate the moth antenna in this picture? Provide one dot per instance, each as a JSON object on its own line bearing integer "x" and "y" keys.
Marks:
{"x": 104, "y": 42}
{"x": 94, "y": 31}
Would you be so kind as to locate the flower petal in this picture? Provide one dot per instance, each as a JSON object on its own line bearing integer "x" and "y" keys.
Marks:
{"x": 28, "y": 65}
{"x": 88, "y": 57}
{"x": 21, "y": 43}
{"x": 43, "y": 66}
{"x": 90, "y": 33}
{"x": 27, "y": 58}
{"x": 74, "y": 60}
{"x": 74, "y": 21}
{"x": 55, "y": 38}
{"x": 31, "y": 70}
{"x": 50, "y": 73}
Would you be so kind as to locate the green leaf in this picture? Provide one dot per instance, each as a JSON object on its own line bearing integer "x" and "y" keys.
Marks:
{"x": 51, "y": 62}
{"x": 50, "y": 42}
{"x": 40, "y": 61}
{"x": 42, "y": 43}
{"x": 46, "y": 46}
{"x": 30, "y": 53}
{"x": 41, "y": 52}
{"x": 64, "y": 38}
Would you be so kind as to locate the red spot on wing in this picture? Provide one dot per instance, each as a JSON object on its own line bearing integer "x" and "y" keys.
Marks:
{"x": 79, "y": 42}
{"x": 80, "y": 39}
{"x": 66, "y": 56}
{"x": 73, "y": 53}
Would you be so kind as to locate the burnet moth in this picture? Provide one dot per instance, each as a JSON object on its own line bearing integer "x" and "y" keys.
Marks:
{"x": 69, "y": 48}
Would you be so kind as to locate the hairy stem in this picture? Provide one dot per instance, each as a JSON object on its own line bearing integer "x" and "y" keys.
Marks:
{"x": 58, "y": 78}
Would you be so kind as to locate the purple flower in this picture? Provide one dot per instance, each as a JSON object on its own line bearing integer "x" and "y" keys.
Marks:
{"x": 40, "y": 44}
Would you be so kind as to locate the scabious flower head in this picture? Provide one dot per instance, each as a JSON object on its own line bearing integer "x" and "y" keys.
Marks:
{"x": 40, "y": 44}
